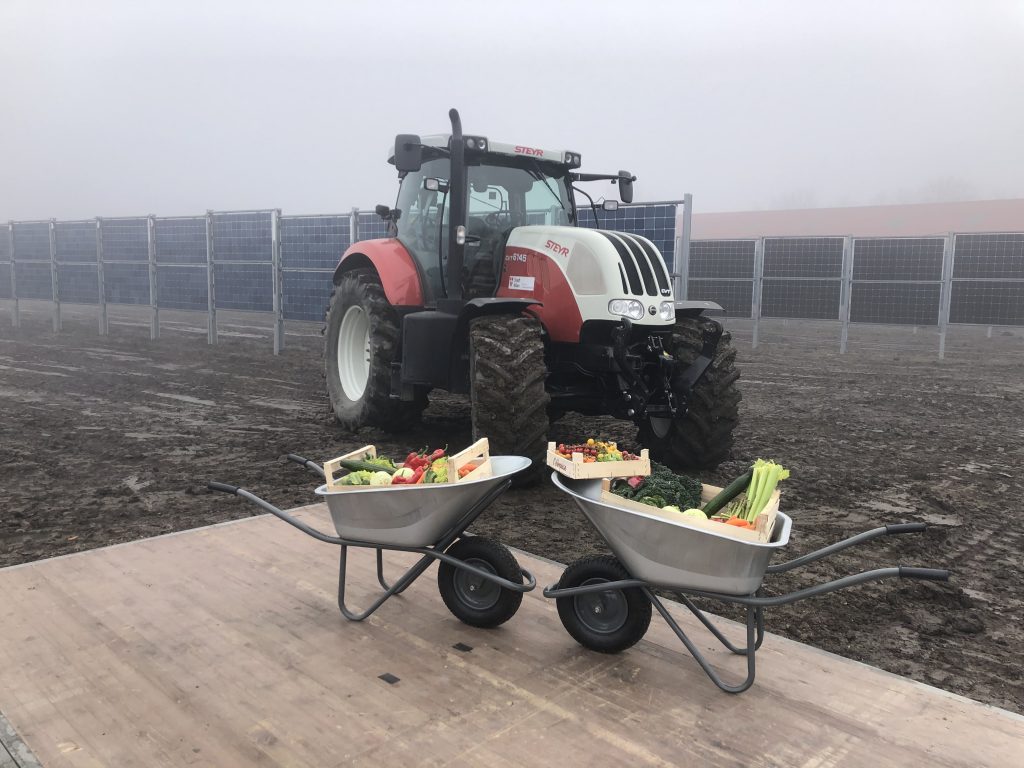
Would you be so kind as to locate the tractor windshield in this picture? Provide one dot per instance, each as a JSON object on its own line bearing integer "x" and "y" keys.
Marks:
{"x": 503, "y": 193}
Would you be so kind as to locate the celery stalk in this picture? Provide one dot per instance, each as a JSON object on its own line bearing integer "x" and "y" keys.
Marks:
{"x": 772, "y": 473}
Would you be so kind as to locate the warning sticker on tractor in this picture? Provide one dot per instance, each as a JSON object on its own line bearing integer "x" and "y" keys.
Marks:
{"x": 520, "y": 283}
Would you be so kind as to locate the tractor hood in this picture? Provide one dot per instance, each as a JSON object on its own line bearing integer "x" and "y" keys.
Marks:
{"x": 596, "y": 268}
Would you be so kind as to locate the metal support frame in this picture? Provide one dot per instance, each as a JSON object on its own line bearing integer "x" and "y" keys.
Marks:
{"x": 430, "y": 554}
{"x": 54, "y": 276}
{"x": 154, "y": 286}
{"x": 756, "y": 603}
{"x": 681, "y": 265}
{"x": 946, "y": 292}
{"x": 277, "y": 275}
{"x": 353, "y": 226}
{"x": 211, "y": 284}
{"x": 15, "y": 309}
{"x": 755, "y": 293}
{"x": 846, "y": 292}
{"x": 101, "y": 282}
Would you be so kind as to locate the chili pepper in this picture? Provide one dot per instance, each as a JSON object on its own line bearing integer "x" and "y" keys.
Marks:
{"x": 417, "y": 476}
{"x": 436, "y": 454}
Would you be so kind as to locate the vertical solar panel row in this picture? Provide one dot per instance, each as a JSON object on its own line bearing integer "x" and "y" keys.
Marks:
{"x": 78, "y": 282}
{"x": 988, "y": 279}
{"x": 125, "y": 260}
{"x": 311, "y": 247}
{"x": 897, "y": 281}
{"x": 242, "y": 256}
{"x": 32, "y": 260}
{"x": 802, "y": 277}
{"x": 181, "y": 263}
{"x": 722, "y": 271}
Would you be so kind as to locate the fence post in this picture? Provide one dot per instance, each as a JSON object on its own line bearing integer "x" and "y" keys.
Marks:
{"x": 755, "y": 293}
{"x": 278, "y": 278}
{"x": 101, "y": 281}
{"x": 54, "y": 276}
{"x": 154, "y": 286}
{"x": 211, "y": 284}
{"x": 946, "y": 292}
{"x": 353, "y": 226}
{"x": 846, "y": 292}
{"x": 15, "y": 310}
{"x": 682, "y": 265}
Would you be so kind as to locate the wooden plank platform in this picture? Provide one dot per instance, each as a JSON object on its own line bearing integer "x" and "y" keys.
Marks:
{"x": 223, "y": 646}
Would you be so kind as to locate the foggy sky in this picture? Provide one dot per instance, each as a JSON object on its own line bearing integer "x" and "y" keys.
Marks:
{"x": 115, "y": 108}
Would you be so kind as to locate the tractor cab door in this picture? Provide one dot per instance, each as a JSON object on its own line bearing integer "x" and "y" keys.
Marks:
{"x": 422, "y": 224}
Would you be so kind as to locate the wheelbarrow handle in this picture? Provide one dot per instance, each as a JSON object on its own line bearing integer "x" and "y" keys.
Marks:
{"x": 927, "y": 574}
{"x": 860, "y": 538}
{"x": 276, "y": 512}
{"x": 312, "y": 466}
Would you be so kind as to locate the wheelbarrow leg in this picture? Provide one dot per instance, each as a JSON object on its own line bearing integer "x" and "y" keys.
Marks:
{"x": 752, "y": 625}
{"x": 404, "y": 581}
{"x": 758, "y": 616}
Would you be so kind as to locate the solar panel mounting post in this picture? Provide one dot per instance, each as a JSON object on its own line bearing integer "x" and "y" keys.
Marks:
{"x": 15, "y": 309}
{"x": 278, "y": 278}
{"x": 846, "y": 292}
{"x": 755, "y": 293}
{"x": 211, "y": 284}
{"x": 101, "y": 282}
{"x": 154, "y": 292}
{"x": 948, "y": 254}
{"x": 54, "y": 276}
{"x": 682, "y": 260}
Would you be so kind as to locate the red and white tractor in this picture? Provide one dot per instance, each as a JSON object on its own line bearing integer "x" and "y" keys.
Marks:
{"x": 487, "y": 286}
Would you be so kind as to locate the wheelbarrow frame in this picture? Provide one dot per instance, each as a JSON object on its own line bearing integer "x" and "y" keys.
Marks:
{"x": 429, "y": 553}
{"x": 756, "y": 603}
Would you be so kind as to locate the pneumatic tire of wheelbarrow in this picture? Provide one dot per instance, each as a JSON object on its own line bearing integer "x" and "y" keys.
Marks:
{"x": 491, "y": 605}
{"x": 626, "y": 613}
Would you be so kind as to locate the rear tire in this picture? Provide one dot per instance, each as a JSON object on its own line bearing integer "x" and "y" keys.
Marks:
{"x": 507, "y": 395}
{"x": 473, "y": 600}
{"x": 702, "y": 437}
{"x": 607, "y": 622}
{"x": 361, "y": 341}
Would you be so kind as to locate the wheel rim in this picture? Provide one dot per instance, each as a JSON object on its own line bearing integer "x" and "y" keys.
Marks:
{"x": 353, "y": 355}
{"x": 601, "y": 612}
{"x": 475, "y": 591}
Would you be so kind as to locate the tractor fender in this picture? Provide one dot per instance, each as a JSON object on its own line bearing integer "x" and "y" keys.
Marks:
{"x": 392, "y": 263}
{"x": 695, "y": 308}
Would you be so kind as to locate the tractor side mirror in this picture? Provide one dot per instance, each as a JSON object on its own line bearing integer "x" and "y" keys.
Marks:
{"x": 626, "y": 186}
{"x": 610, "y": 205}
{"x": 435, "y": 185}
{"x": 408, "y": 153}
{"x": 383, "y": 211}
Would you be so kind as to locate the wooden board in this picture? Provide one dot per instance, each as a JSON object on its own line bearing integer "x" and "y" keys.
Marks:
{"x": 577, "y": 469}
{"x": 224, "y": 647}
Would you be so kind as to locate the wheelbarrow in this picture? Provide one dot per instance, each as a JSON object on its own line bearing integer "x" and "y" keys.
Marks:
{"x": 480, "y": 580}
{"x": 604, "y": 602}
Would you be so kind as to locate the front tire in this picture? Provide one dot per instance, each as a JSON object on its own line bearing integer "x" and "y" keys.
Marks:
{"x": 361, "y": 341}
{"x": 474, "y": 600}
{"x": 702, "y": 437}
{"x": 607, "y": 622}
{"x": 509, "y": 403}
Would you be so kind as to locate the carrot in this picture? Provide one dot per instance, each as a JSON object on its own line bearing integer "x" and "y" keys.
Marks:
{"x": 739, "y": 522}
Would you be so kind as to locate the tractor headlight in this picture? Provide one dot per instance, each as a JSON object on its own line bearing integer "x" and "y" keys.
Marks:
{"x": 630, "y": 308}
{"x": 667, "y": 311}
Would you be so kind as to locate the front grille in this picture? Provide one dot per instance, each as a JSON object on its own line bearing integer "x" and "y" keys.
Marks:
{"x": 644, "y": 270}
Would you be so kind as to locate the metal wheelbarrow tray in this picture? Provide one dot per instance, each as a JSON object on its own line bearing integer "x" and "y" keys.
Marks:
{"x": 480, "y": 580}
{"x": 605, "y": 602}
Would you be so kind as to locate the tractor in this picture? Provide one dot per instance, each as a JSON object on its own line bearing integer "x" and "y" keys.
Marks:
{"x": 488, "y": 286}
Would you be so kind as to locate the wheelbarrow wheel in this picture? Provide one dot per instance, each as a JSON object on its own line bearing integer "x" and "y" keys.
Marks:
{"x": 608, "y": 622}
{"x": 474, "y": 600}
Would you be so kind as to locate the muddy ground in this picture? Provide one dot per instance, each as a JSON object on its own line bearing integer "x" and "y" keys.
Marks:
{"x": 105, "y": 440}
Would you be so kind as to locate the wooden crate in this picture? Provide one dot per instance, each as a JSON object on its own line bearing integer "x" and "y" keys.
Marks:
{"x": 760, "y": 533}
{"x": 578, "y": 469}
{"x": 478, "y": 455}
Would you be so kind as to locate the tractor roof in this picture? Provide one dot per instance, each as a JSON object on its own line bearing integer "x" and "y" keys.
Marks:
{"x": 440, "y": 140}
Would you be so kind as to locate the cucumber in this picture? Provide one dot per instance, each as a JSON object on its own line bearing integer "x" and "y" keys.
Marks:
{"x": 353, "y": 465}
{"x": 730, "y": 492}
